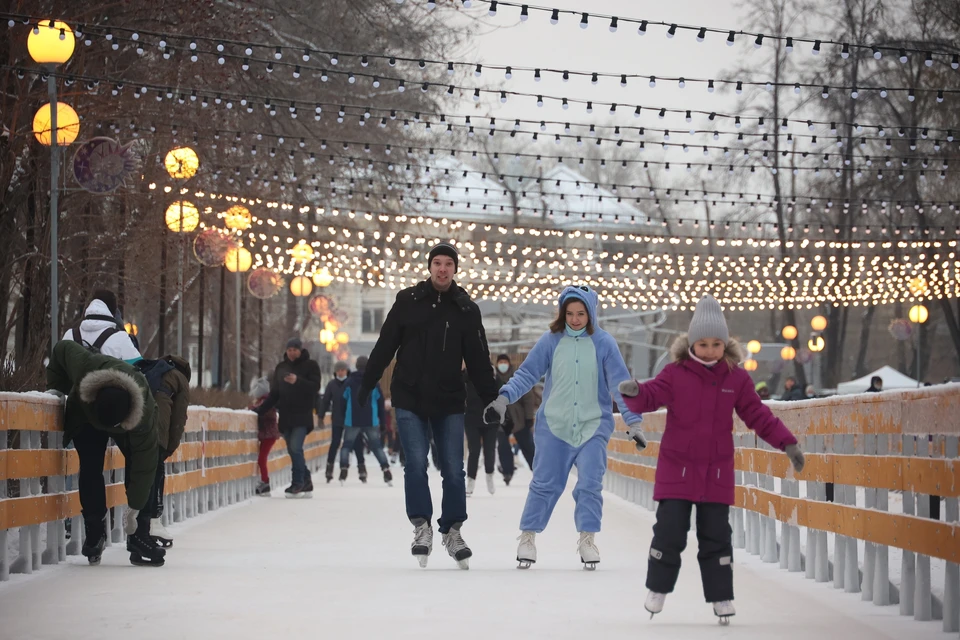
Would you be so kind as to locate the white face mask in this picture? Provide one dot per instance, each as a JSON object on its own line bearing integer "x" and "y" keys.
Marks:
{"x": 503, "y": 368}
{"x": 342, "y": 378}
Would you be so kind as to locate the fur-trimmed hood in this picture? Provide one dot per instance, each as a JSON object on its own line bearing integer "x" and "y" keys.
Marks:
{"x": 91, "y": 383}
{"x": 680, "y": 351}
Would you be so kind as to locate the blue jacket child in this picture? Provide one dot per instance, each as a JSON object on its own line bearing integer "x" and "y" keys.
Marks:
{"x": 583, "y": 366}
{"x": 365, "y": 419}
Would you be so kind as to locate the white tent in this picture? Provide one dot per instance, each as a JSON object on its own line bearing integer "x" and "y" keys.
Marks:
{"x": 892, "y": 379}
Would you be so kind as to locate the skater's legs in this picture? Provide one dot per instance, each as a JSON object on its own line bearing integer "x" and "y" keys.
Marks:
{"x": 489, "y": 436}
{"x": 448, "y": 435}
{"x": 473, "y": 449}
{"x": 155, "y": 502}
{"x": 669, "y": 541}
{"x": 350, "y": 437}
{"x": 591, "y": 464}
{"x": 336, "y": 437}
{"x": 295, "y": 438}
{"x": 372, "y": 435}
{"x": 265, "y": 446}
{"x": 507, "y": 466}
{"x": 549, "y": 480}
{"x": 716, "y": 551}
{"x": 524, "y": 439}
{"x": 416, "y": 445}
{"x": 91, "y": 446}
{"x": 359, "y": 449}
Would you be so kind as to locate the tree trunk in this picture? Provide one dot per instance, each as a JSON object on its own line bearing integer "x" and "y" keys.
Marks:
{"x": 861, "y": 367}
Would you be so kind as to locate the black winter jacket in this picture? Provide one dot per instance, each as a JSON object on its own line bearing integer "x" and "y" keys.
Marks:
{"x": 432, "y": 333}
{"x": 294, "y": 402}
{"x": 332, "y": 401}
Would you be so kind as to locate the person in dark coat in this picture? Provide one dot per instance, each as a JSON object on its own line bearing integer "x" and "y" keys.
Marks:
{"x": 432, "y": 328}
{"x": 332, "y": 401}
{"x": 792, "y": 391}
{"x": 520, "y": 424}
{"x": 293, "y": 392}
{"x": 480, "y": 437}
{"x": 362, "y": 419}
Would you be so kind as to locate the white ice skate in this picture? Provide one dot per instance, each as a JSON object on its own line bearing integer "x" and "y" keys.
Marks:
{"x": 527, "y": 551}
{"x": 471, "y": 483}
{"x": 422, "y": 542}
{"x": 654, "y": 603}
{"x": 159, "y": 533}
{"x": 456, "y": 547}
{"x": 490, "y": 486}
{"x": 724, "y": 611}
{"x": 589, "y": 554}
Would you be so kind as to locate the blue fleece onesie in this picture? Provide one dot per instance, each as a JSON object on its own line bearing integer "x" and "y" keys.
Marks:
{"x": 575, "y": 419}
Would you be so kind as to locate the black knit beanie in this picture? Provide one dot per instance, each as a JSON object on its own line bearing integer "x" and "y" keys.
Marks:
{"x": 444, "y": 249}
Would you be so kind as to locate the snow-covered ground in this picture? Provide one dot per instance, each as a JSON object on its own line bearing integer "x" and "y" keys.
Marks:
{"x": 339, "y": 566}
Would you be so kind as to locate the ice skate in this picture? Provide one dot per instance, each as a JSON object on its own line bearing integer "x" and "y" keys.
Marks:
{"x": 527, "y": 551}
{"x": 471, "y": 484}
{"x": 93, "y": 544}
{"x": 343, "y": 475}
{"x": 362, "y": 474}
{"x": 263, "y": 489}
{"x": 724, "y": 611}
{"x": 293, "y": 491}
{"x": 456, "y": 547}
{"x": 491, "y": 488}
{"x": 388, "y": 476}
{"x": 159, "y": 533}
{"x": 329, "y": 472}
{"x": 422, "y": 542}
{"x": 307, "y": 491}
{"x": 654, "y": 603}
{"x": 143, "y": 553}
{"x": 589, "y": 554}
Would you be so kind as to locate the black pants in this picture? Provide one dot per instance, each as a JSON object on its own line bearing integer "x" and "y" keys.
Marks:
{"x": 670, "y": 539}
{"x": 525, "y": 440}
{"x": 487, "y": 435}
{"x": 335, "y": 439}
{"x": 155, "y": 502}
{"x": 91, "y": 445}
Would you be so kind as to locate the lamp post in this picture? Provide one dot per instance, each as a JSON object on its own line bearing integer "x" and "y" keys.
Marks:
{"x": 51, "y": 43}
{"x": 300, "y": 287}
{"x": 182, "y": 163}
{"x": 238, "y": 261}
{"x": 918, "y": 316}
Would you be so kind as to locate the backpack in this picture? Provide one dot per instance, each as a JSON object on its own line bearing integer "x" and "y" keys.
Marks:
{"x": 153, "y": 371}
{"x": 101, "y": 339}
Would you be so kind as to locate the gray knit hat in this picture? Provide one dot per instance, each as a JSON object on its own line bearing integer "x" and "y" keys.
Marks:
{"x": 708, "y": 321}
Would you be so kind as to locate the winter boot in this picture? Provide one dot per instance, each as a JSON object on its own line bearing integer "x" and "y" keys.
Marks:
{"x": 589, "y": 554}
{"x": 456, "y": 547}
{"x": 491, "y": 488}
{"x": 654, "y": 603}
{"x": 263, "y": 488}
{"x": 143, "y": 553}
{"x": 388, "y": 476}
{"x": 343, "y": 474}
{"x": 159, "y": 533}
{"x": 422, "y": 541}
{"x": 471, "y": 483}
{"x": 307, "y": 491}
{"x": 362, "y": 473}
{"x": 329, "y": 472}
{"x": 507, "y": 477}
{"x": 293, "y": 491}
{"x": 95, "y": 541}
{"x": 527, "y": 551}
{"x": 724, "y": 611}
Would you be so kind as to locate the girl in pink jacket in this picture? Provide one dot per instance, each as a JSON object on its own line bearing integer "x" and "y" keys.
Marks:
{"x": 701, "y": 389}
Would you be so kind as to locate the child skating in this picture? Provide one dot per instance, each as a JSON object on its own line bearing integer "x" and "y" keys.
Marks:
{"x": 701, "y": 389}
{"x": 583, "y": 366}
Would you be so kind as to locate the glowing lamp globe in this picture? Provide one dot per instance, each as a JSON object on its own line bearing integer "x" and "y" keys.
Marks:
{"x": 302, "y": 252}
{"x": 753, "y": 346}
{"x": 917, "y": 286}
{"x": 182, "y": 163}
{"x": 818, "y": 323}
{"x": 918, "y": 314}
{"x": 237, "y": 218}
{"x": 301, "y": 286}
{"x": 342, "y": 337}
{"x": 182, "y": 217}
{"x": 51, "y": 43}
{"x": 68, "y": 124}
{"x": 238, "y": 259}
{"x": 789, "y": 332}
{"x": 750, "y": 365}
{"x": 131, "y": 328}
{"x": 788, "y": 353}
{"x": 322, "y": 278}
{"x": 326, "y": 336}
{"x": 816, "y": 345}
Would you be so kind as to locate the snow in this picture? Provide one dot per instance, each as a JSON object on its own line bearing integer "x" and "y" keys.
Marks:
{"x": 341, "y": 562}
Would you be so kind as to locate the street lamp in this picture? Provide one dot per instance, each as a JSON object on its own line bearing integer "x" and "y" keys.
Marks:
{"x": 788, "y": 353}
{"x": 750, "y": 364}
{"x": 322, "y": 278}
{"x": 181, "y": 163}
{"x": 919, "y": 315}
{"x": 789, "y": 332}
{"x": 818, "y": 323}
{"x": 238, "y": 261}
{"x": 51, "y": 43}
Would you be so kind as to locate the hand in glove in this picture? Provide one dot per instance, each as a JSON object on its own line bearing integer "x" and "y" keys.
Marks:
{"x": 130, "y": 521}
{"x": 635, "y": 431}
{"x": 629, "y": 388}
{"x": 796, "y": 456}
{"x": 496, "y": 411}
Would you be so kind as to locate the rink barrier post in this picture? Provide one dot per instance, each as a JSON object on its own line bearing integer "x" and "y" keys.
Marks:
{"x": 871, "y": 444}
{"x": 215, "y": 466}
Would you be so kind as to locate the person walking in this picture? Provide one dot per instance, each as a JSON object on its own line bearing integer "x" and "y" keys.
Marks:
{"x": 480, "y": 437}
{"x": 293, "y": 391}
{"x": 267, "y": 432}
{"x": 432, "y": 328}
{"x": 363, "y": 419}
{"x": 332, "y": 401}
{"x": 522, "y": 414}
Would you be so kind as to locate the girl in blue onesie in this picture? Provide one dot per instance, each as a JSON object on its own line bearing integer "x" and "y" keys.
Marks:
{"x": 583, "y": 367}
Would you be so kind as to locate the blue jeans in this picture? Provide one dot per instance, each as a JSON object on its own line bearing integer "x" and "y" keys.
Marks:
{"x": 351, "y": 435}
{"x": 294, "y": 439}
{"x": 415, "y": 439}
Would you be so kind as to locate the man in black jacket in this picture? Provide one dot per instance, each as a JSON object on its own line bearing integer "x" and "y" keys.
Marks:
{"x": 332, "y": 401}
{"x": 293, "y": 392}
{"x": 432, "y": 328}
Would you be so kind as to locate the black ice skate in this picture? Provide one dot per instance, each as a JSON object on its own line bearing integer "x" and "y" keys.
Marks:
{"x": 143, "y": 552}
{"x": 263, "y": 488}
{"x": 329, "y": 472}
{"x": 362, "y": 474}
{"x": 724, "y": 611}
{"x": 343, "y": 474}
{"x": 422, "y": 541}
{"x": 388, "y": 476}
{"x": 456, "y": 547}
{"x": 93, "y": 544}
{"x": 307, "y": 489}
{"x": 294, "y": 491}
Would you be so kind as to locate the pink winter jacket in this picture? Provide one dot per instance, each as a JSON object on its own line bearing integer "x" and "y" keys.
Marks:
{"x": 697, "y": 454}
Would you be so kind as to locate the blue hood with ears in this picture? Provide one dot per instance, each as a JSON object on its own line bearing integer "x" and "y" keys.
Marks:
{"x": 589, "y": 298}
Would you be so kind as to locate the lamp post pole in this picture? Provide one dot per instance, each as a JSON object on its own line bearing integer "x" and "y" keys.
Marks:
{"x": 237, "y": 336}
{"x": 180, "y": 284}
{"x": 54, "y": 198}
